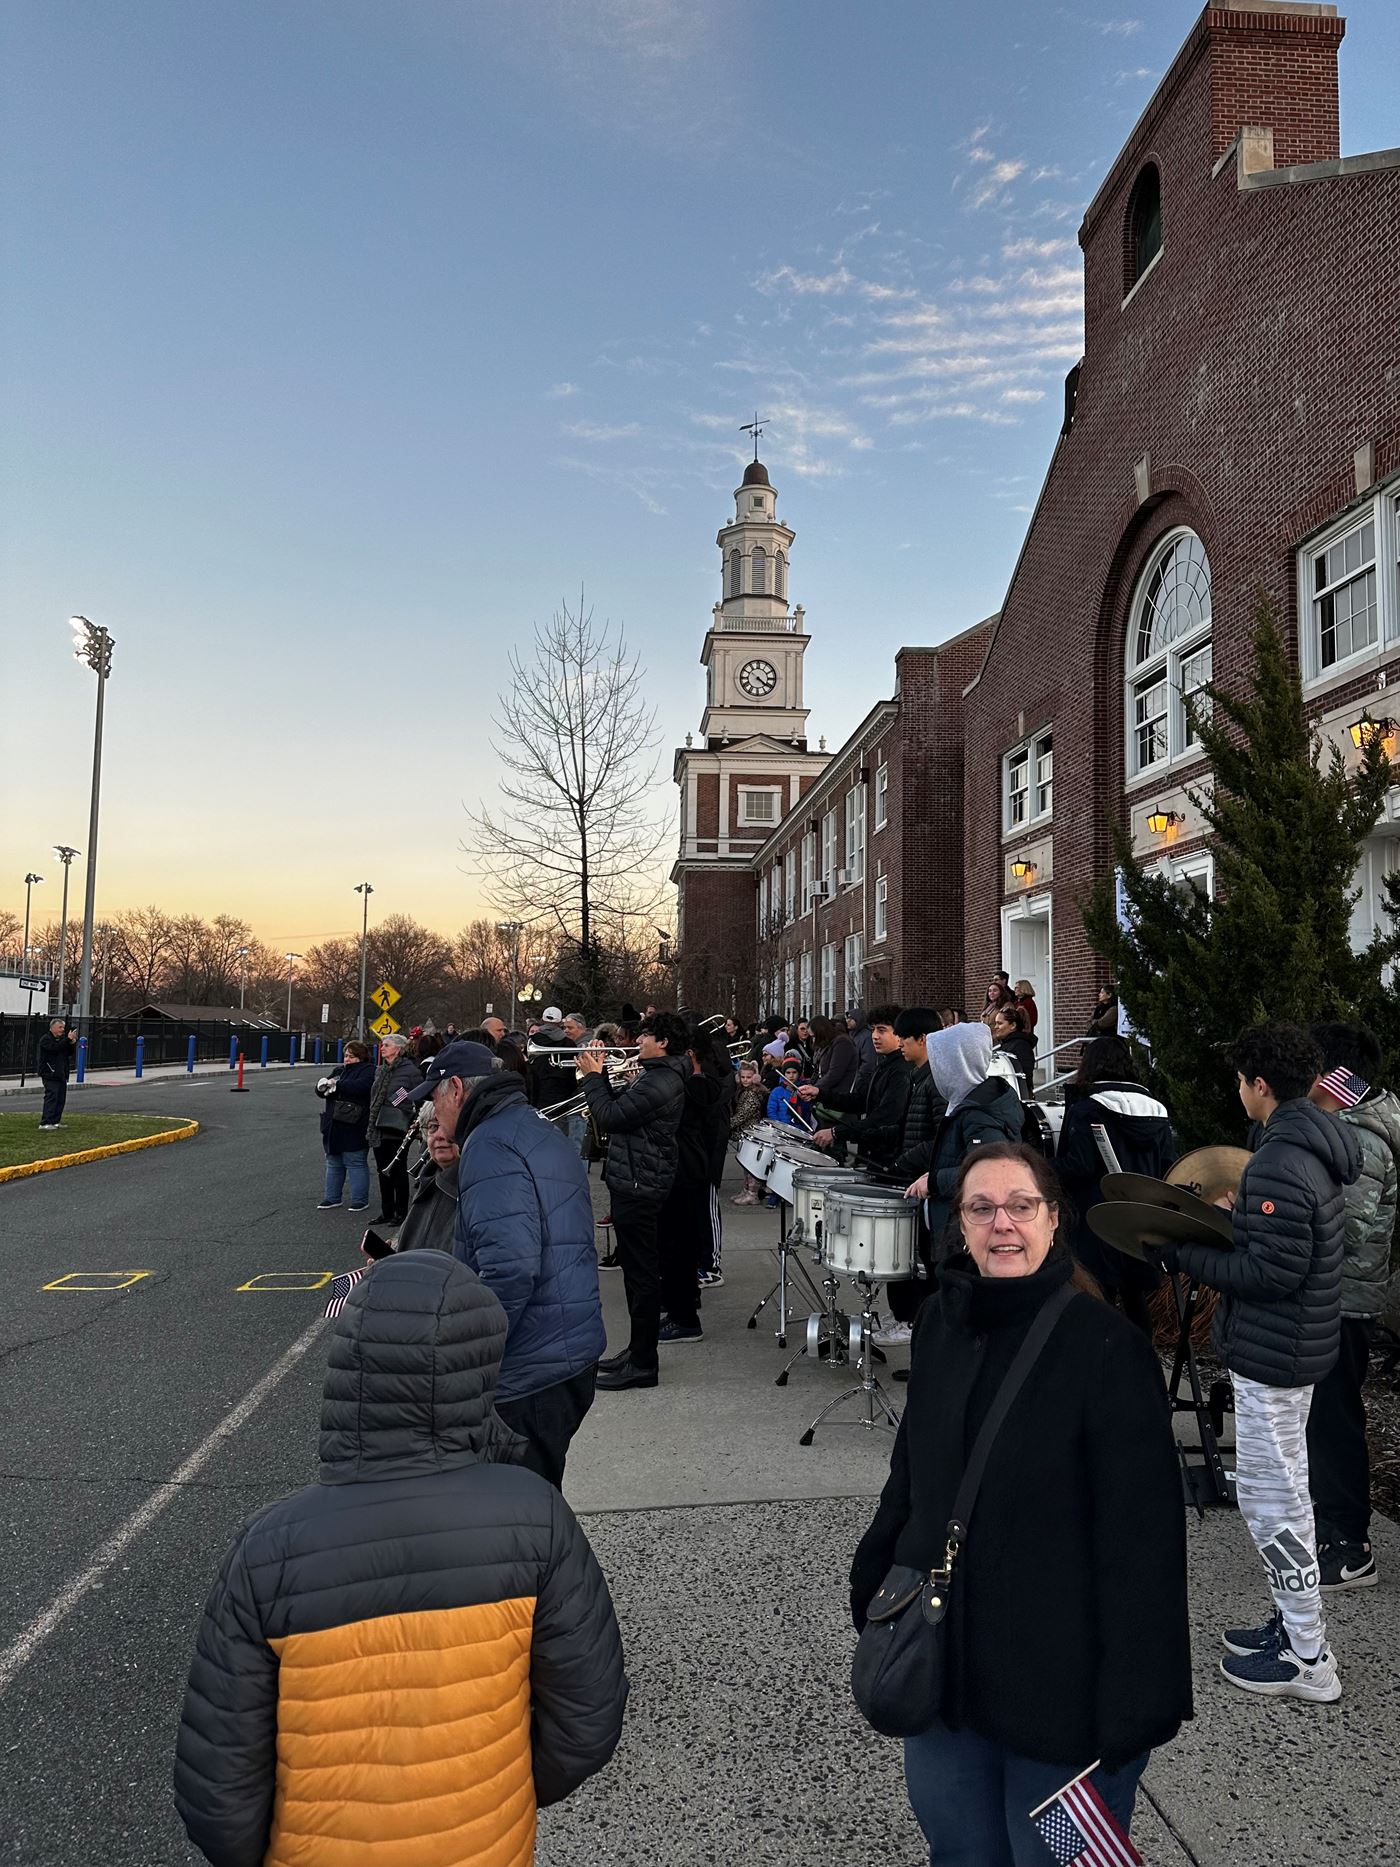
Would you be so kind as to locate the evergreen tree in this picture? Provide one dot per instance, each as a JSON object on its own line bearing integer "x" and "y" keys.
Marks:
{"x": 1287, "y": 828}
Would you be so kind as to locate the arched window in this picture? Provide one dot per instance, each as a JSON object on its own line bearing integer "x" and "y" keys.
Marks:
{"x": 780, "y": 575}
{"x": 759, "y": 578}
{"x": 731, "y": 585}
{"x": 1143, "y": 234}
{"x": 1169, "y": 657}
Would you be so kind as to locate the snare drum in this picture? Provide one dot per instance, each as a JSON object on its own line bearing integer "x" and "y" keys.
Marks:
{"x": 757, "y": 1146}
{"x": 871, "y": 1229}
{"x": 790, "y": 1157}
{"x": 810, "y": 1186}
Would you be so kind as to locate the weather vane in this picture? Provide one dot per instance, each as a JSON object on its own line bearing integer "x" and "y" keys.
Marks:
{"x": 755, "y": 428}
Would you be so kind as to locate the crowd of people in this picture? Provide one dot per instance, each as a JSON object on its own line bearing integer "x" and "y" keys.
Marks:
{"x": 437, "y": 1552}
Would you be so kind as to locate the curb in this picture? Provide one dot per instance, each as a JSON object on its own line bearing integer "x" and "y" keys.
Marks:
{"x": 28, "y": 1168}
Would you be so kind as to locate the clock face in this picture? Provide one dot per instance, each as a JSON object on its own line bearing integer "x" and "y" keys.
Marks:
{"x": 758, "y": 678}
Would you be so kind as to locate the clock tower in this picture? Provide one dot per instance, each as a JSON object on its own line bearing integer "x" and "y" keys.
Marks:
{"x": 749, "y": 765}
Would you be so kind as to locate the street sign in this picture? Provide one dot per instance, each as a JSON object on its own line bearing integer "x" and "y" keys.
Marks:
{"x": 325, "y": 1014}
{"x": 42, "y": 985}
{"x": 384, "y": 1026}
{"x": 385, "y": 996}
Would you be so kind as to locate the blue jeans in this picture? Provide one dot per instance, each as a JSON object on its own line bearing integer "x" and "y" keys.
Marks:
{"x": 358, "y": 1164}
{"x": 973, "y": 1799}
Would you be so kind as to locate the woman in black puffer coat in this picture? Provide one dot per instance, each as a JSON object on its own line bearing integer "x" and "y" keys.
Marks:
{"x": 345, "y": 1125}
{"x": 1067, "y": 1637}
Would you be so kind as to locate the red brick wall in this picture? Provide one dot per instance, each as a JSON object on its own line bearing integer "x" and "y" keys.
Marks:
{"x": 1275, "y": 71}
{"x": 707, "y": 804}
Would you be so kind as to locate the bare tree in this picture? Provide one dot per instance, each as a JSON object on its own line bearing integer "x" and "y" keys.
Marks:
{"x": 11, "y": 943}
{"x": 414, "y": 960}
{"x": 142, "y": 942}
{"x": 576, "y": 840}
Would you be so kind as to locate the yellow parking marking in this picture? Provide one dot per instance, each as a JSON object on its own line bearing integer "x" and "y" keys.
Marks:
{"x": 97, "y": 1280}
{"x": 288, "y": 1280}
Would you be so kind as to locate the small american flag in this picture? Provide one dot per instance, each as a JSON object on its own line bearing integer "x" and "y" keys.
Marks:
{"x": 341, "y": 1287}
{"x": 1076, "y": 1826}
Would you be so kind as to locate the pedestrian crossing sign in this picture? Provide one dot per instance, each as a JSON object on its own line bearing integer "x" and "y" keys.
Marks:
{"x": 385, "y": 997}
{"x": 384, "y": 1026}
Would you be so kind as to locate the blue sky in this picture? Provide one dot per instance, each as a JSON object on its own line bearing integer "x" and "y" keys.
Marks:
{"x": 340, "y": 341}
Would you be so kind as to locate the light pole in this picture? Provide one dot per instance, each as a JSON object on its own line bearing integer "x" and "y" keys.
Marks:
{"x": 291, "y": 957}
{"x": 363, "y": 888}
{"x": 31, "y": 882}
{"x": 512, "y": 929}
{"x": 242, "y": 975}
{"x": 93, "y": 645}
{"x": 65, "y": 856}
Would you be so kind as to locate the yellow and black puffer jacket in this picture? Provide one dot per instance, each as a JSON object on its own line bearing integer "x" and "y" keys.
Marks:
{"x": 399, "y": 1663}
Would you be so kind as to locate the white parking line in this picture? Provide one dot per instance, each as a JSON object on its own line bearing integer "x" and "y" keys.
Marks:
{"x": 68, "y": 1597}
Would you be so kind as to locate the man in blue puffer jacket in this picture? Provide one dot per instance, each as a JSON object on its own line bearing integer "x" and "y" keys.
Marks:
{"x": 525, "y": 1226}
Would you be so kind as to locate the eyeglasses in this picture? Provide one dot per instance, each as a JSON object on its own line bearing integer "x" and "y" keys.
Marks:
{"x": 1021, "y": 1208}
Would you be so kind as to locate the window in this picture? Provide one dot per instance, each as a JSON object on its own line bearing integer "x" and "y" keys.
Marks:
{"x": 1169, "y": 651}
{"x": 1144, "y": 229}
{"x": 1344, "y": 596}
{"x": 853, "y": 955}
{"x": 809, "y": 871}
{"x": 756, "y": 502}
{"x": 1028, "y": 782}
{"x": 882, "y": 795}
{"x": 855, "y": 832}
{"x": 763, "y": 907}
{"x": 780, "y": 575}
{"x": 758, "y": 807}
{"x": 828, "y": 980}
{"x": 804, "y": 1007}
{"x": 790, "y": 888}
{"x": 789, "y": 985}
{"x": 759, "y": 580}
{"x": 731, "y": 583}
{"x": 829, "y": 846}
{"x": 882, "y": 897}
{"x": 775, "y": 897}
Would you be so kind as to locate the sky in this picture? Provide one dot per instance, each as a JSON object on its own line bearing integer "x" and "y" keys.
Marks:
{"x": 340, "y": 342}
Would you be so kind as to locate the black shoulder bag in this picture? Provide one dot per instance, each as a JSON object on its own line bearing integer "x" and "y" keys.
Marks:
{"x": 897, "y": 1673}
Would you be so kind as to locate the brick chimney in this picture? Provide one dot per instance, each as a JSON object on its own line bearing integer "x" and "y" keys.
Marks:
{"x": 1274, "y": 67}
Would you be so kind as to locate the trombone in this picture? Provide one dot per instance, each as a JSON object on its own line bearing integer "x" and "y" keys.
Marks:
{"x": 619, "y": 1062}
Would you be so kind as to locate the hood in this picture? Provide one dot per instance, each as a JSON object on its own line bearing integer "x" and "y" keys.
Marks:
{"x": 680, "y": 1065}
{"x": 1300, "y": 1124}
{"x": 1129, "y": 1100}
{"x": 1381, "y": 1114}
{"x": 958, "y": 1059}
{"x": 856, "y": 1014}
{"x": 505, "y": 1087}
{"x": 412, "y": 1373}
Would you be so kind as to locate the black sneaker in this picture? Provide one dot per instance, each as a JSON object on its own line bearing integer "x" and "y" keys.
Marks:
{"x": 681, "y": 1332}
{"x": 610, "y": 1262}
{"x": 328, "y": 1205}
{"x": 610, "y": 1362}
{"x": 1346, "y": 1565}
{"x": 614, "y": 1380}
{"x": 363, "y": 1208}
{"x": 1255, "y": 1639}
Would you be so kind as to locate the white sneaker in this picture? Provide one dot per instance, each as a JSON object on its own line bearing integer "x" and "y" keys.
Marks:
{"x": 1278, "y": 1672}
{"x": 893, "y": 1335}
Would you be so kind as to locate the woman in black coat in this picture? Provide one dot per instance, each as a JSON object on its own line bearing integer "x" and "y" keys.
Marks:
{"x": 1138, "y": 1130}
{"x": 1011, "y": 1037}
{"x": 1067, "y": 1640}
{"x": 345, "y": 1125}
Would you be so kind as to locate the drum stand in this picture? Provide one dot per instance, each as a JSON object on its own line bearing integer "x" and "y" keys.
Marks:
{"x": 829, "y": 1332}
{"x": 1205, "y": 1479}
{"x": 790, "y": 1241}
{"x": 862, "y": 1348}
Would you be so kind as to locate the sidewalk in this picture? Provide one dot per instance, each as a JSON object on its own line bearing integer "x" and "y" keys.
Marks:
{"x": 155, "y": 1072}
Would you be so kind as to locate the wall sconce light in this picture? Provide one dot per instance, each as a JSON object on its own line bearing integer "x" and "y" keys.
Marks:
{"x": 1022, "y": 870}
{"x": 1366, "y": 731}
{"x": 1163, "y": 820}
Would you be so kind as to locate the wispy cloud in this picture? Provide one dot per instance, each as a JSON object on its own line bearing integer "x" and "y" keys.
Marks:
{"x": 1120, "y": 28}
{"x": 641, "y": 484}
{"x": 558, "y": 391}
{"x": 1136, "y": 76}
{"x": 602, "y": 431}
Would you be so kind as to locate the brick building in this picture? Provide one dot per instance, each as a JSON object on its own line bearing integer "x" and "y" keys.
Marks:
{"x": 1234, "y": 427}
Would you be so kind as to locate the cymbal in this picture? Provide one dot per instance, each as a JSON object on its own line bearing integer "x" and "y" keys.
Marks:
{"x": 1210, "y": 1171}
{"x": 1142, "y": 1191}
{"x": 1140, "y": 1231}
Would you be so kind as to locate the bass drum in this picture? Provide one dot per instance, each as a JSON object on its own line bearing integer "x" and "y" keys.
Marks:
{"x": 871, "y": 1230}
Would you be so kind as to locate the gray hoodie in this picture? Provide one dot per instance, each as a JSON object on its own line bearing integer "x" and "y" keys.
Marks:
{"x": 959, "y": 1058}
{"x": 1371, "y": 1205}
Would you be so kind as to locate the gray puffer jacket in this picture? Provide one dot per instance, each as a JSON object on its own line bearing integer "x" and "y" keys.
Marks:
{"x": 1371, "y": 1205}
{"x": 390, "y": 1121}
{"x": 641, "y": 1121}
{"x": 404, "y": 1659}
{"x": 1280, "y": 1321}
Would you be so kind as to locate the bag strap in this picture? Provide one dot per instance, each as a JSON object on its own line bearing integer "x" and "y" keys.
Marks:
{"x": 1026, "y": 1357}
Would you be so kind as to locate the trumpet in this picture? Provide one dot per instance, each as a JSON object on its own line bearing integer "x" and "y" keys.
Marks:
{"x": 561, "y": 1056}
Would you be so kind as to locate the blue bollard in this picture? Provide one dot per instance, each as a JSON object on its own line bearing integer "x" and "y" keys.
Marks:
{"x": 318, "y": 1050}
{"x": 233, "y": 1053}
{"x": 292, "y": 1048}
{"x": 262, "y": 1063}
{"x": 82, "y": 1058}
{"x": 140, "y": 1057}
{"x": 189, "y": 1058}
{"x": 340, "y": 1050}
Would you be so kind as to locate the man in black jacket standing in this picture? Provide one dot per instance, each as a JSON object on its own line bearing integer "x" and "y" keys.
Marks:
{"x": 640, "y": 1120}
{"x": 55, "y": 1054}
{"x": 1277, "y": 1329}
{"x": 874, "y": 1114}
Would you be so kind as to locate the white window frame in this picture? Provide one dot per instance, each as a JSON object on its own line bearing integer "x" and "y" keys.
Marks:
{"x": 829, "y": 979}
{"x": 804, "y": 1009}
{"x": 790, "y": 987}
{"x": 882, "y": 908}
{"x": 829, "y": 835}
{"x": 1183, "y": 871}
{"x": 853, "y": 968}
{"x": 855, "y": 833}
{"x": 1162, "y": 669}
{"x": 790, "y": 885}
{"x": 1381, "y": 509}
{"x": 763, "y": 907}
{"x": 749, "y": 822}
{"x": 1028, "y": 757}
{"x": 809, "y": 868}
{"x": 882, "y": 794}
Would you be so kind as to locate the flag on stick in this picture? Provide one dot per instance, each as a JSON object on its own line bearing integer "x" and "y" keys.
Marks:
{"x": 1076, "y": 1826}
{"x": 341, "y": 1287}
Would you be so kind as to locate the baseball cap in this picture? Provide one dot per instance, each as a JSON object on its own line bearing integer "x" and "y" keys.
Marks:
{"x": 550, "y": 1015}
{"x": 462, "y": 1058}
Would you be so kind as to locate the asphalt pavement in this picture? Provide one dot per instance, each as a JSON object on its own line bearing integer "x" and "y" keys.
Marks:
{"x": 144, "y": 1423}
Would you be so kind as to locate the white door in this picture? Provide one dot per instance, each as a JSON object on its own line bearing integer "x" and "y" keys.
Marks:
{"x": 1026, "y": 953}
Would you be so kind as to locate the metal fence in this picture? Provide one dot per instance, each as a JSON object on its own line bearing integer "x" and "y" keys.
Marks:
{"x": 111, "y": 1042}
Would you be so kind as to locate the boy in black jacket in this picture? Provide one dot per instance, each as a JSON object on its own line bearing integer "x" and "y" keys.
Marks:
{"x": 875, "y": 1111}
{"x": 1277, "y": 1330}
